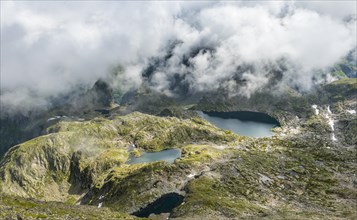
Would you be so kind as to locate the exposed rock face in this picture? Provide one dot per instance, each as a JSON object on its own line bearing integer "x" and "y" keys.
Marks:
{"x": 102, "y": 94}
{"x": 145, "y": 100}
{"x": 79, "y": 104}
{"x": 43, "y": 161}
{"x": 14, "y": 130}
{"x": 178, "y": 112}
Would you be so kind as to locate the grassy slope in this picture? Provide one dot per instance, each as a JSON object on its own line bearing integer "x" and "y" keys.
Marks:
{"x": 82, "y": 153}
{"x": 14, "y": 207}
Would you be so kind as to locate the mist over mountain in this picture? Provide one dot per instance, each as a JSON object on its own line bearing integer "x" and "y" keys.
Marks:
{"x": 49, "y": 49}
{"x": 178, "y": 110}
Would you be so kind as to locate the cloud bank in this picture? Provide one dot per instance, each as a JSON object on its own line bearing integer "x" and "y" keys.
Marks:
{"x": 49, "y": 48}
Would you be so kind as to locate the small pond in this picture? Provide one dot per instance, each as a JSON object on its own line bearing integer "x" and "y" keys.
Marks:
{"x": 162, "y": 205}
{"x": 253, "y": 124}
{"x": 166, "y": 155}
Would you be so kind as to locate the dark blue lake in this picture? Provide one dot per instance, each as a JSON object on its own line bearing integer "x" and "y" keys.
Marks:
{"x": 162, "y": 205}
{"x": 252, "y": 124}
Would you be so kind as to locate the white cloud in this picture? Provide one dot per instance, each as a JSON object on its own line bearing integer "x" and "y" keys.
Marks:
{"x": 241, "y": 35}
{"x": 338, "y": 9}
{"x": 50, "y": 47}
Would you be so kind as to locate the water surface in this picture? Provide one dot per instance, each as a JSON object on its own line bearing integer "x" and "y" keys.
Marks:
{"x": 166, "y": 155}
{"x": 162, "y": 205}
{"x": 253, "y": 124}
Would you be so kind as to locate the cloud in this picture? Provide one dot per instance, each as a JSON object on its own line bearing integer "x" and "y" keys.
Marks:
{"x": 337, "y": 9}
{"x": 238, "y": 35}
{"x": 49, "y": 48}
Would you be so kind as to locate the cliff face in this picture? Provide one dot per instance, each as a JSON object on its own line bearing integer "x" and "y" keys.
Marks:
{"x": 17, "y": 127}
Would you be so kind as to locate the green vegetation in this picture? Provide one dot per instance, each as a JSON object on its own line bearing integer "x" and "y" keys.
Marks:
{"x": 339, "y": 74}
{"x": 135, "y": 152}
{"x": 294, "y": 180}
{"x": 77, "y": 155}
{"x": 342, "y": 89}
{"x": 208, "y": 195}
{"x": 297, "y": 174}
{"x": 14, "y": 207}
{"x": 198, "y": 154}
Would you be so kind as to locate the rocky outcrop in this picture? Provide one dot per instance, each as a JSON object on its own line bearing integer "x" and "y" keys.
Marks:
{"x": 102, "y": 94}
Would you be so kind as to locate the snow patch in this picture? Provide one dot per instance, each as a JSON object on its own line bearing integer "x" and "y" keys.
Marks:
{"x": 351, "y": 111}
{"x": 191, "y": 175}
{"x": 332, "y": 124}
{"x": 220, "y": 147}
{"x": 317, "y": 111}
{"x": 333, "y": 137}
{"x": 330, "y": 120}
{"x": 53, "y": 118}
{"x": 281, "y": 177}
{"x": 72, "y": 117}
{"x": 264, "y": 179}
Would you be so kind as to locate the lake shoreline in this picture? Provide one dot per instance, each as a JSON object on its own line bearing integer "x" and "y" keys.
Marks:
{"x": 244, "y": 116}
{"x": 245, "y": 123}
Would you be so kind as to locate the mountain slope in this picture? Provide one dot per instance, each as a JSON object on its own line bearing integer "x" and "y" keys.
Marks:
{"x": 306, "y": 170}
